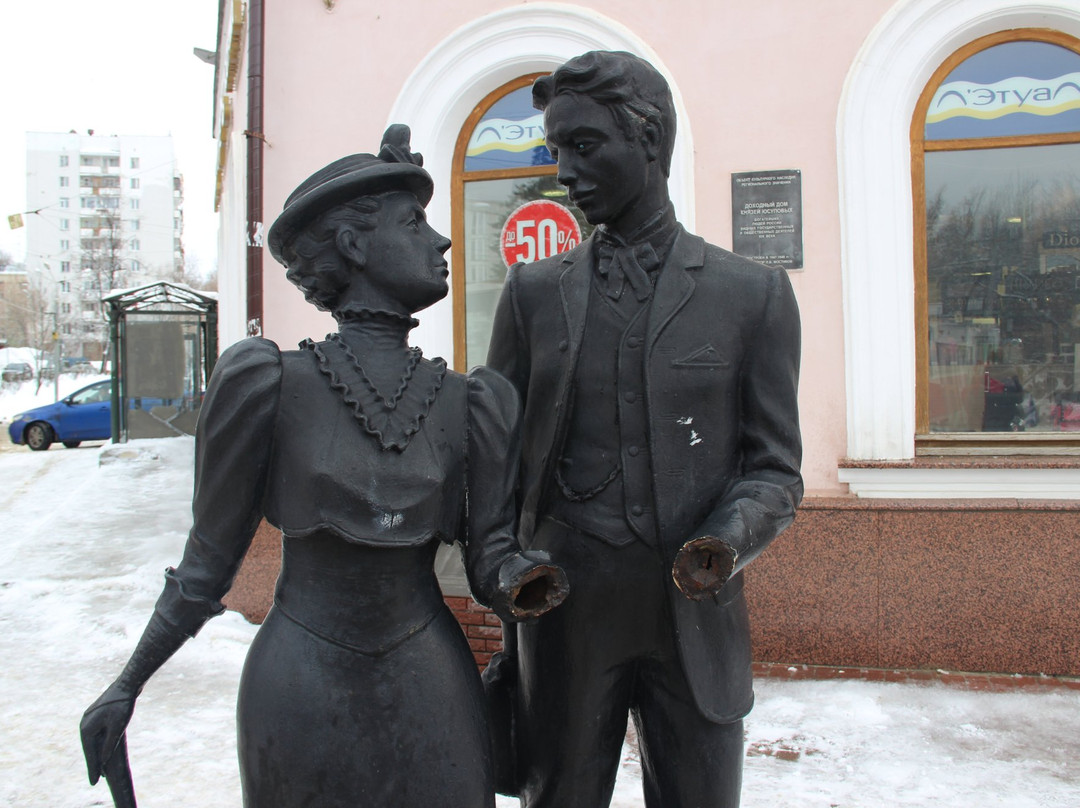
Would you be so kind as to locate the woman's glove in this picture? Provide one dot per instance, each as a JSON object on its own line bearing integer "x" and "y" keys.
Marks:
{"x": 104, "y": 724}
{"x": 103, "y": 730}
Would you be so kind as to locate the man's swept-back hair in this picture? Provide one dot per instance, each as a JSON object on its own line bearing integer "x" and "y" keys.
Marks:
{"x": 633, "y": 88}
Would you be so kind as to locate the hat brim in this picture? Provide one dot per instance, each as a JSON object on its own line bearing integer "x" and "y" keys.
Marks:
{"x": 372, "y": 179}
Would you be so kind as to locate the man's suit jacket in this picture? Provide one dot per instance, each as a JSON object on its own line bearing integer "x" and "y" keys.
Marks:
{"x": 721, "y": 378}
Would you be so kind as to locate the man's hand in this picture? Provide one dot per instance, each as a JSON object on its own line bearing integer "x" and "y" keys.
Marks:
{"x": 702, "y": 567}
{"x": 529, "y": 586}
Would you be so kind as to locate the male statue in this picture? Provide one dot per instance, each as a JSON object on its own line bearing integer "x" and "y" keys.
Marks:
{"x": 661, "y": 455}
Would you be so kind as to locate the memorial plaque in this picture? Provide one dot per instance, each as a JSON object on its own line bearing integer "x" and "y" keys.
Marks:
{"x": 766, "y": 217}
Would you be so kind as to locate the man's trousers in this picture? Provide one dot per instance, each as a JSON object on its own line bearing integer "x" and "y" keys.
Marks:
{"x": 607, "y": 652}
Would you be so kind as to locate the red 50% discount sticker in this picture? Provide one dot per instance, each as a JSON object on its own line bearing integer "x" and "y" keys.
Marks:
{"x": 536, "y": 230}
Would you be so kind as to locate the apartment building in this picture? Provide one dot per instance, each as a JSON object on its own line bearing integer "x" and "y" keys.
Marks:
{"x": 106, "y": 212}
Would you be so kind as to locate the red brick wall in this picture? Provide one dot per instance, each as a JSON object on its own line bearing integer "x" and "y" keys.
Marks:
{"x": 482, "y": 628}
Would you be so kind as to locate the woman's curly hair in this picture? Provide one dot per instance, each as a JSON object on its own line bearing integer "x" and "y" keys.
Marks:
{"x": 314, "y": 264}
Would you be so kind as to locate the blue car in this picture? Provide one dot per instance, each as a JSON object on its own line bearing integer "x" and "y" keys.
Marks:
{"x": 84, "y": 415}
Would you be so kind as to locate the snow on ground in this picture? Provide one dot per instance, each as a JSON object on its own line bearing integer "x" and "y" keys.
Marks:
{"x": 88, "y": 532}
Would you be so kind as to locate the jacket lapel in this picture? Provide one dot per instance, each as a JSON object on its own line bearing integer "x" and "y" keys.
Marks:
{"x": 675, "y": 284}
{"x": 574, "y": 286}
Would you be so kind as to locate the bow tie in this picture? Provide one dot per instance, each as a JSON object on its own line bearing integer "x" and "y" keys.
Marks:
{"x": 622, "y": 263}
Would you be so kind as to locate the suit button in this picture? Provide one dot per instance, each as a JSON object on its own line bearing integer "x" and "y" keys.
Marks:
{"x": 633, "y": 451}
{"x": 637, "y": 510}
{"x": 630, "y": 397}
{"x": 633, "y": 342}
{"x": 564, "y": 345}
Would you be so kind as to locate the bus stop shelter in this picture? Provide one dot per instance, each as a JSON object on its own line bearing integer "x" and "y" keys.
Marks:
{"x": 163, "y": 338}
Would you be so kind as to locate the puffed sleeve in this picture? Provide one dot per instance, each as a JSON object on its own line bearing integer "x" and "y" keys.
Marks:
{"x": 516, "y": 585}
{"x": 232, "y": 455}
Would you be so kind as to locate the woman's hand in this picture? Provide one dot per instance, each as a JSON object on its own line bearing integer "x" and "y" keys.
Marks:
{"x": 529, "y": 586}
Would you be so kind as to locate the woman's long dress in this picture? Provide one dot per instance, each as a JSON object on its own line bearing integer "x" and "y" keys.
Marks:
{"x": 359, "y": 689}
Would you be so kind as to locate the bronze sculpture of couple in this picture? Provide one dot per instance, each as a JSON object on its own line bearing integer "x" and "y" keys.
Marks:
{"x": 646, "y": 382}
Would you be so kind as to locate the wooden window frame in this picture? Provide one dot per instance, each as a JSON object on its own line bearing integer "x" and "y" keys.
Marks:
{"x": 459, "y": 177}
{"x": 968, "y": 443}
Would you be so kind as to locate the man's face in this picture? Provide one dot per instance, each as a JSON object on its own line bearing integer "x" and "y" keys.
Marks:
{"x": 606, "y": 174}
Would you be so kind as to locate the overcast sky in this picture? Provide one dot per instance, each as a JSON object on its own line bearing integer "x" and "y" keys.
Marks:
{"x": 121, "y": 67}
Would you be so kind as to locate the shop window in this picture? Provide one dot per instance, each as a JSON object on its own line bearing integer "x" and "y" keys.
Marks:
{"x": 507, "y": 206}
{"x": 996, "y": 171}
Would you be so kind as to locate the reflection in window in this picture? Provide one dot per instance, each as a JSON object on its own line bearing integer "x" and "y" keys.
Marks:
{"x": 1003, "y": 287}
{"x": 1002, "y": 237}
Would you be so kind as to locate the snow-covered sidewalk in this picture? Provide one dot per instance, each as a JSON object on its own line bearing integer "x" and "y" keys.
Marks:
{"x": 88, "y": 532}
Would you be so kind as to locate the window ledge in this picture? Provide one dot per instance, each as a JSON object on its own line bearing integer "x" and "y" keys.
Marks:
{"x": 964, "y": 477}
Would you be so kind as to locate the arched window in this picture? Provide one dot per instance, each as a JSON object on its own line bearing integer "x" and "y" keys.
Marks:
{"x": 507, "y": 207}
{"x": 996, "y": 186}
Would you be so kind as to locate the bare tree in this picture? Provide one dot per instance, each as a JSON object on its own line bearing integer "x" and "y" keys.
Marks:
{"x": 103, "y": 272}
{"x": 193, "y": 276}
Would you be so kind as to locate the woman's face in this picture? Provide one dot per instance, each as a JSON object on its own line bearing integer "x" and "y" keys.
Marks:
{"x": 403, "y": 260}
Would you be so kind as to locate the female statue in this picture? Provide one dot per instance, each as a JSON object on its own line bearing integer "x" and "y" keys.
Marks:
{"x": 359, "y": 688}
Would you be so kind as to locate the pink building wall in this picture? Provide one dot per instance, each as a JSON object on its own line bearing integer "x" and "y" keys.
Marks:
{"x": 903, "y": 570}
{"x": 761, "y": 85}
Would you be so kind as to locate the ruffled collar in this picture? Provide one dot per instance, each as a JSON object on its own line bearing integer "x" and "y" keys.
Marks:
{"x": 392, "y": 417}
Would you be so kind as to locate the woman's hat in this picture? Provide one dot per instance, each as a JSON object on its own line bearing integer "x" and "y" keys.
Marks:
{"x": 395, "y": 168}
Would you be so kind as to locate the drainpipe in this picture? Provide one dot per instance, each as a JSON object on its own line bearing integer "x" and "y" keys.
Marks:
{"x": 255, "y": 140}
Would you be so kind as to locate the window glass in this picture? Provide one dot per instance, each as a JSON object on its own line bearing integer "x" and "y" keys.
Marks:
{"x": 999, "y": 157}
{"x": 507, "y": 221}
{"x": 508, "y": 207}
{"x": 93, "y": 395}
{"x": 509, "y": 135}
{"x": 1003, "y": 288}
{"x": 1011, "y": 89}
